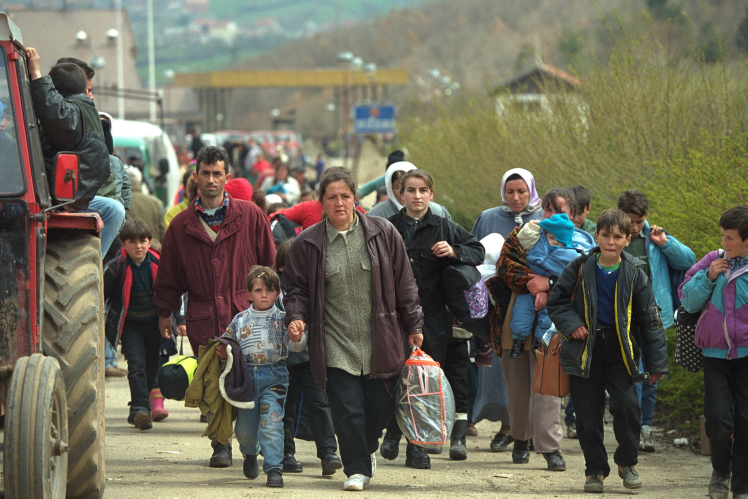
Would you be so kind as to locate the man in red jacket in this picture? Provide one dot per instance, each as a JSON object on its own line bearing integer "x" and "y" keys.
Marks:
{"x": 207, "y": 252}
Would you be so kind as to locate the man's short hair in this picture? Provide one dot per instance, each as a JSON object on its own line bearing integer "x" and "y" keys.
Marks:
{"x": 582, "y": 196}
{"x": 614, "y": 218}
{"x": 90, "y": 73}
{"x": 550, "y": 199}
{"x": 68, "y": 79}
{"x": 634, "y": 201}
{"x": 209, "y": 155}
{"x": 264, "y": 274}
{"x": 736, "y": 218}
{"x": 135, "y": 230}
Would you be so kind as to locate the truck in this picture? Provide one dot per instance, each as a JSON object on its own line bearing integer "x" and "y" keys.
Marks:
{"x": 51, "y": 307}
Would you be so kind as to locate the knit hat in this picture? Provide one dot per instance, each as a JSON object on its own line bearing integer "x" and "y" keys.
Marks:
{"x": 134, "y": 175}
{"x": 395, "y": 157}
{"x": 561, "y": 228}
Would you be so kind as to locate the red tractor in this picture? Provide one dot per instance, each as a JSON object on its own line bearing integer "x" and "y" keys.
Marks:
{"x": 51, "y": 307}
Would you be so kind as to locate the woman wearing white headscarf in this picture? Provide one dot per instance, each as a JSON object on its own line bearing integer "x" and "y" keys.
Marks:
{"x": 520, "y": 203}
{"x": 393, "y": 205}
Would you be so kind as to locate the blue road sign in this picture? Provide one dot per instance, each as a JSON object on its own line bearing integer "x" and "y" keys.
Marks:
{"x": 374, "y": 119}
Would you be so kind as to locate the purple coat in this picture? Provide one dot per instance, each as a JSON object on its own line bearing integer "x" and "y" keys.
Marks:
{"x": 723, "y": 324}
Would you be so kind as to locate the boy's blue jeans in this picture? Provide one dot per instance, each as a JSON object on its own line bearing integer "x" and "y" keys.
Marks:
{"x": 262, "y": 427}
{"x": 112, "y": 213}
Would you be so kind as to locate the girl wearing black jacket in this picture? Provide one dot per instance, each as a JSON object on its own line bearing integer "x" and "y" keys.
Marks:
{"x": 433, "y": 243}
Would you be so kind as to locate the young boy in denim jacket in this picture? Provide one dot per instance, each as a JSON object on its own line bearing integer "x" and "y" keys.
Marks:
{"x": 604, "y": 308}
{"x": 265, "y": 343}
{"x": 717, "y": 287}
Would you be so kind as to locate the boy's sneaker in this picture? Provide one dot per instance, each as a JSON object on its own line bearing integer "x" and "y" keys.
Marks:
{"x": 516, "y": 350}
{"x": 140, "y": 418}
{"x": 571, "y": 430}
{"x": 719, "y": 485}
{"x": 646, "y": 439}
{"x": 251, "y": 468}
{"x": 275, "y": 478}
{"x": 594, "y": 483}
{"x": 356, "y": 482}
{"x": 631, "y": 478}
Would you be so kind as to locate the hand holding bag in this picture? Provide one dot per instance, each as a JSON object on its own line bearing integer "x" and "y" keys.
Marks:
{"x": 550, "y": 378}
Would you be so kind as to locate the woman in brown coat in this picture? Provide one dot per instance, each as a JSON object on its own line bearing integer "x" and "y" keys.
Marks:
{"x": 350, "y": 280}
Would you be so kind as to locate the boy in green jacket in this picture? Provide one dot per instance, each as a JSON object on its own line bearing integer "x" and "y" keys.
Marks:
{"x": 604, "y": 308}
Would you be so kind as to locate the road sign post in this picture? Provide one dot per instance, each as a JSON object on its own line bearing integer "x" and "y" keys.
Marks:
{"x": 374, "y": 119}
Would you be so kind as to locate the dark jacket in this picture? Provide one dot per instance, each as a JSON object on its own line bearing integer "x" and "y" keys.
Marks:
{"x": 428, "y": 268}
{"x": 638, "y": 320}
{"x": 72, "y": 124}
{"x": 117, "y": 286}
{"x": 395, "y": 303}
{"x": 214, "y": 274}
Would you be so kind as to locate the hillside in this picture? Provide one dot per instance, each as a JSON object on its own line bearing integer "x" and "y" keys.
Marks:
{"x": 475, "y": 42}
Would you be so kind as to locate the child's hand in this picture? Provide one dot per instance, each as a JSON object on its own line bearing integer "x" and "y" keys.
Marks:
{"x": 657, "y": 235}
{"x": 541, "y": 299}
{"x": 534, "y": 222}
{"x": 580, "y": 333}
{"x": 443, "y": 249}
{"x": 221, "y": 352}
{"x": 296, "y": 330}
{"x": 654, "y": 378}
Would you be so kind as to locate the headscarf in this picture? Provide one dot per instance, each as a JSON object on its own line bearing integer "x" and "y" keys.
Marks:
{"x": 400, "y": 166}
{"x": 534, "y": 203}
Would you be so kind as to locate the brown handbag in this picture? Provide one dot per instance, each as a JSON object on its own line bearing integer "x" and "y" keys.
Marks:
{"x": 550, "y": 378}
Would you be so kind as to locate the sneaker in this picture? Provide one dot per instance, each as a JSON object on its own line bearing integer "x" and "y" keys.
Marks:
{"x": 140, "y": 418}
{"x": 631, "y": 478}
{"x": 571, "y": 430}
{"x": 516, "y": 350}
{"x": 275, "y": 478}
{"x": 719, "y": 485}
{"x": 115, "y": 372}
{"x": 471, "y": 431}
{"x": 646, "y": 439}
{"x": 594, "y": 483}
{"x": 356, "y": 482}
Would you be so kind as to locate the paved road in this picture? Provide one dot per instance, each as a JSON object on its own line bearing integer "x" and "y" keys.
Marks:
{"x": 171, "y": 461}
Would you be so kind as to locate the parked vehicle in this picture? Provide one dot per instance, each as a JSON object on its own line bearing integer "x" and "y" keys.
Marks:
{"x": 152, "y": 146}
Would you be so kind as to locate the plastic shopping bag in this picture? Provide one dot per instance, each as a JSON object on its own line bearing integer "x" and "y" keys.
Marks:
{"x": 425, "y": 405}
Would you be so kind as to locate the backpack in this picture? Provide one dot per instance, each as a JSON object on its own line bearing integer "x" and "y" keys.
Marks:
{"x": 175, "y": 376}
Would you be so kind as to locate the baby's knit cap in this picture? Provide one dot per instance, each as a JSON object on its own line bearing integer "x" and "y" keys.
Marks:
{"x": 561, "y": 228}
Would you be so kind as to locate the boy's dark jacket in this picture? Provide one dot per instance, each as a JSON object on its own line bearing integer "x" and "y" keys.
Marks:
{"x": 117, "y": 285}
{"x": 72, "y": 124}
{"x": 638, "y": 320}
{"x": 428, "y": 268}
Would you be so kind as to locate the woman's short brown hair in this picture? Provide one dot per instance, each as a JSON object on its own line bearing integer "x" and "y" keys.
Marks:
{"x": 417, "y": 173}
{"x": 266, "y": 275}
{"x": 338, "y": 176}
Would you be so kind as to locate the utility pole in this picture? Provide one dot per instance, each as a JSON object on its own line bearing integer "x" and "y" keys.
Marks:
{"x": 120, "y": 61}
{"x": 151, "y": 60}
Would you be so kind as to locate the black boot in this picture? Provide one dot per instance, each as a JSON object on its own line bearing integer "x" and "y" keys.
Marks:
{"x": 221, "y": 457}
{"x": 390, "y": 447}
{"x": 291, "y": 465}
{"x": 457, "y": 449}
{"x": 521, "y": 452}
{"x": 416, "y": 457}
{"x": 251, "y": 468}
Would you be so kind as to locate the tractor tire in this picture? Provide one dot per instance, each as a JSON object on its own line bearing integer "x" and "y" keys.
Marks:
{"x": 35, "y": 461}
{"x": 74, "y": 335}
